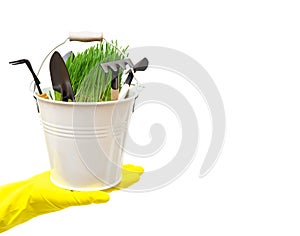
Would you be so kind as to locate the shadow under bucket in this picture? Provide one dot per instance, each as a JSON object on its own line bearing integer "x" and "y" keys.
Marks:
{"x": 85, "y": 141}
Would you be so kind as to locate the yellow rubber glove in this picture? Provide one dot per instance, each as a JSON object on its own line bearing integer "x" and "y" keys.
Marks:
{"x": 21, "y": 201}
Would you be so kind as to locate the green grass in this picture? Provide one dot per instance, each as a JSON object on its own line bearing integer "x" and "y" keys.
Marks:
{"x": 89, "y": 82}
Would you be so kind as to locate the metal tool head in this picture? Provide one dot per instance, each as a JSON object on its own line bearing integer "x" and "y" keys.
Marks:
{"x": 115, "y": 65}
{"x": 28, "y": 64}
{"x": 19, "y": 62}
{"x": 141, "y": 65}
{"x": 24, "y": 61}
{"x": 60, "y": 77}
{"x": 67, "y": 55}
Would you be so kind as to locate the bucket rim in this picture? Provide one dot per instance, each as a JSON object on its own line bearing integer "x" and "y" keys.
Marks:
{"x": 133, "y": 96}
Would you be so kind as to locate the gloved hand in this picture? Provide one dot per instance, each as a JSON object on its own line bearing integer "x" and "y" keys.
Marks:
{"x": 21, "y": 201}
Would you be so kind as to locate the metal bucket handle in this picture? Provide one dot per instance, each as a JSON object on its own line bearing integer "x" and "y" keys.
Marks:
{"x": 84, "y": 36}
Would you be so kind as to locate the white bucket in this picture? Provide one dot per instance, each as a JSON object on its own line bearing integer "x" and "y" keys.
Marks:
{"x": 85, "y": 141}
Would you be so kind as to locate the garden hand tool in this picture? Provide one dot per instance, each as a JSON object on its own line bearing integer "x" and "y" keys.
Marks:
{"x": 114, "y": 66}
{"x": 60, "y": 77}
{"x": 27, "y": 62}
{"x": 140, "y": 66}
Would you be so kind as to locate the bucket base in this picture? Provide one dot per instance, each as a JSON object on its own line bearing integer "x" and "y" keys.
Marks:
{"x": 85, "y": 189}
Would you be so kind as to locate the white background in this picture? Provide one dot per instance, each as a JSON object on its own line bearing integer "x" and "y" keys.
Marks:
{"x": 250, "y": 48}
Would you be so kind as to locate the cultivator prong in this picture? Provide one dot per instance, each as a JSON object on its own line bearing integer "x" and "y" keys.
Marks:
{"x": 115, "y": 65}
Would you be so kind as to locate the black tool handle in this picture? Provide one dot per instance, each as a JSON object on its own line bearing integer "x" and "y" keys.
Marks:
{"x": 36, "y": 80}
{"x": 115, "y": 81}
{"x": 129, "y": 78}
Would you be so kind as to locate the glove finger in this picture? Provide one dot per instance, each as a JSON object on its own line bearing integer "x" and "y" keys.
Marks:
{"x": 128, "y": 180}
{"x": 130, "y": 175}
{"x": 132, "y": 168}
